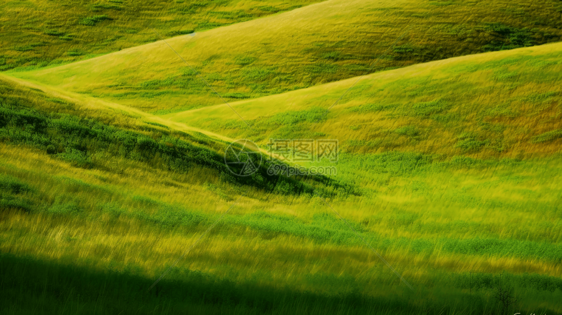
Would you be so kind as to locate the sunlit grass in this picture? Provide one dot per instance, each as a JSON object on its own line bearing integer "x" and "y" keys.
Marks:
{"x": 435, "y": 217}
{"x": 434, "y": 239}
{"x": 320, "y": 43}
{"x": 506, "y": 105}
{"x": 49, "y": 33}
{"x": 449, "y": 170}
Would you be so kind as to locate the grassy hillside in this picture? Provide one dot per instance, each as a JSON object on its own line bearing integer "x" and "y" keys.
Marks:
{"x": 91, "y": 236}
{"x": 65, "y": 131}
{"x": 112, "y": 169}
{"x": 37, "y": 33}
{"x": 324, "y": 42}
{"x": 501, "y": 104}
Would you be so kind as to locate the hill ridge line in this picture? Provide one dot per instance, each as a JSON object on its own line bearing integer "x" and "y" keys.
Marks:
{"x": 426, "y": 66}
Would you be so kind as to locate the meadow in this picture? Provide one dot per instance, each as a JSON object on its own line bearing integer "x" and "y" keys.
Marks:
{"x": 116, "y": 197}
{"x": 500, "y": 104}
{"x": 39, "y": 33}
{"x": 119, "y": 223}
{"x": 110, "y": 229}
{"x": 316, "y": 44}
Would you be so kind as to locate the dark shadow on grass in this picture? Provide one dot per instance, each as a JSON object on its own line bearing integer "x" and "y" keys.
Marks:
{"x": 33, "y": 286}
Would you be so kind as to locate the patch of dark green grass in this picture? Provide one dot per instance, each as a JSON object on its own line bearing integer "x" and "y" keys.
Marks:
{"x": 547, "y": 136}
{"x": 410, "y": 131}
{"x": 10, "y": 202}
{"x": 77, "y": 140}
{"x": 67, "y": 37}
{"x": 76, "y": 157}
{"x": 509, "y": 37}
{"x": 258, "y": 73}
{"x": 12, "y": 185}
{"x": 93, "y": 20}
{"x": 54, "y": 33}
{"x": 29, "y": 47}
{"x": 65, "y": 209}
{"x": 178, "y": 32}
{"x": 74, "y": 53}
{"x": 15, "y": 193}
{"x": 334, "y": 56}
{"x": 469, "y": 143}
{"x": 426, "y": 109}
{"x": 320, "y": 67}
{"x": 237, "y": 96}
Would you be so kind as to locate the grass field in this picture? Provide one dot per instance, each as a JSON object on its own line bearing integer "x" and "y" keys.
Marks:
{"x": 117, "y": 195}
{"x": 324, "y": 42}
{"x": 120, "y": 233}
{"x": 501, "y": 104}
{"x": 39, "y": 33}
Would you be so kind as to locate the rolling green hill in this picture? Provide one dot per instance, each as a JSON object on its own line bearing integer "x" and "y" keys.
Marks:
{"x": 320, "y": 43}
{"x": 500, "y": 104}
{"x": 37, "y": 33}
{"x": 86, "y": 138}
{"x": 116, "y": 195}
{"x": 102, "y": 209}
{"x": 98, "y": 203}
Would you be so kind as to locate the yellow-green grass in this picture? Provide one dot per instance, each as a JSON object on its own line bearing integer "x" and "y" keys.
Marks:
{"x": 434, "y": 227}
{"x": 449, "y": 227}
{"x": 99, "y": 109}
{"x": 37, "y": 33}
{"x": 448, "y": 223}
{"x": 320, "y": 43}
{"x": 500, "y": 104}
{"x": 67, "y": 131}
{"x": 48, "y": 98}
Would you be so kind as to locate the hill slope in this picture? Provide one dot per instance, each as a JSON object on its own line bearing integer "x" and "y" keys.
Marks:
{"x": 495, "y": 104}
{"x": 40, "y": 32}
{"x": 108, "y": 209}
{"x": 320, "y": 43}
{"x": 450, "y": 170}
{"x": 90, "y": 136}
